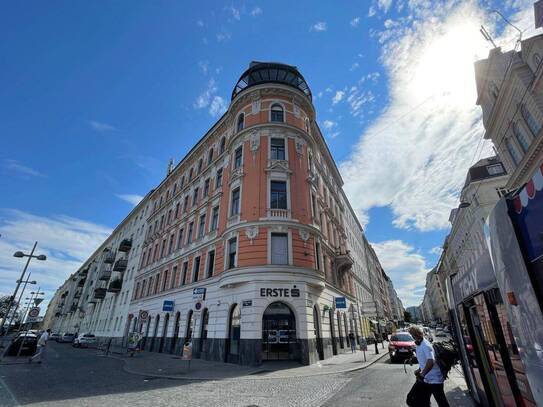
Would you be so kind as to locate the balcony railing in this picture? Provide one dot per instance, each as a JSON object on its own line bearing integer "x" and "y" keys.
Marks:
{"x": 125, "y": 245}
{"x": 100, "y": 293}
{"x": 343, "y": 261}
{"x": 233, "y": 219}
{"x": 105, "y": 275}
{"x": 109, "y": 258}
{"x": 278, "y": 213}
{"x": 115, "y": 286}
{"x": 120, "y": 265}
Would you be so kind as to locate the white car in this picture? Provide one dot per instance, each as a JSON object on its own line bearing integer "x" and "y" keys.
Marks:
{"x": 84, "y": 340}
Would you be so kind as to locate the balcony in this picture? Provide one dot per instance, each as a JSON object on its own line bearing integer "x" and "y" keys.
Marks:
{"x": 73, "y": 308}
{"x": 84, "y": 272}
{"x": 77, "y": 294}
{"x": 109, "y": 258}
{"x": 120, "y": 265}
{"x": 100, "y": 293}
{"x": 343, "y": 261}
{"x": 115, "y": 286}
{"x": 233, "y": 219}
{"x": 125, "y": 245}
{"x": 105, "y": 275}
{"x": 278, "y": 213}
{"x": 81, "y": 282}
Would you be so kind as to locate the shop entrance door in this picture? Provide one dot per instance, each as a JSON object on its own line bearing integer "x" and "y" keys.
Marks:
{"x": 316, "y": 325}
{"x": 279, "y": 333}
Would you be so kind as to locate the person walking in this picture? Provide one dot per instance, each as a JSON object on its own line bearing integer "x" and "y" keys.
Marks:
{"x": 39, "y": 356}
{"x": 352, "y": 340}
{"x": 429, "y": 379}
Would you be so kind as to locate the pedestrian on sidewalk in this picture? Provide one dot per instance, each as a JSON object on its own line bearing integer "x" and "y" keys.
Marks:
{"x": 39, "y": 356}
{"x": 352, "y": 339}
{"x": 429, "y": 379}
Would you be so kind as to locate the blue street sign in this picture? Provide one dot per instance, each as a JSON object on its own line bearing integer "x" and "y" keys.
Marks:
{"x": 341, "y": 302}
{"x": 168, "y": 305}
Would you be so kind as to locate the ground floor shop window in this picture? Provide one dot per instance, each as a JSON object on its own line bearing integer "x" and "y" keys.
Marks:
{"x": 234, "y": 334}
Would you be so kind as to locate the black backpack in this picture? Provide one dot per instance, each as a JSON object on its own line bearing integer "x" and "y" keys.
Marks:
{"x": 446, "y": 356}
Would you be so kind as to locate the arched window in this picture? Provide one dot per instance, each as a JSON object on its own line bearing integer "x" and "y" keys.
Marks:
{"x": 513, "y": 152}
{"x": 188, "y": 331}
{"x": 536, "y": 59}
{"x": 241, "y": 122}
{"x": 175, "y": 332}
{"x": 521, "y": 137}
{"x": 164, "y": 280}
{"x": 340, "y": 330}
{"x": 277, "y": 114}
{"x": 157, "y": 280}
{"x": 210, "y": 156}
{"x": 235, "y": 330}
{"x": 222, "y": 145}
{"x": 530, "y": 120}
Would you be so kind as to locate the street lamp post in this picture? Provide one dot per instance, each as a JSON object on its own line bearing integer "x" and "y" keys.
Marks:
{"x": 27, "y": 281}
{"x": 33, "y": 296}
{"x": 19, "y": 254}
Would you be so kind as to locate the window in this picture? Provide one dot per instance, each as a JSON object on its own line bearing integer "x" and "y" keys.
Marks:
{"x": 186, "y": 203}
{"x": 180, "y": 238}
{"x": 277, "y": 146}
{"x": 195, "y": 197}
{"x": 235, "y": 330}
{"x": 210, "y": 263}
{"x": 206, "y": 188}
{"x": 277, "y": 113}
{"x": 536, "y": 59}
{"x": 169, "y": 217}
{"x": 241, "y": 122}
{"x": 174, "y": 277}
{"x": 214, "y": 218}
{"x": 170, "y": 246}
{"x": 278, "y": 195}
{"x": 530, "y": 120}
{"x": 222, "y": 145}
{"x": 495, "y": 169}
{"x": 164, "y": 280}
{"x": 318, "y": 255}
{"x": 515, "y": 155}
{"x": 232, "y": 251}
{"x": 191, "y": 172}
{"x": 184, "y": 274}
{"x": 196, "y": 269}
{"x": 313, "y": 206}
{"x": 238, "y": 157}
{"x": 177, "y": 210}
{"x": 200, "y": 165}
{"x": 157, "y": 280}
{"x": 521, "y": 137}
{"x": 501, "y": 191}
{"x": 234, "y": 210}
{"x": 161, "y": 222}
{"x": 218, "y": 180}
{"x": 191, "y": 229}
{"x": 202, "y": 227}
{"x": 163, "y": 248}
{"x": 210, "y": 156}
{"x": 307, "y": 125}
{"x": 279, "y": 248}
{"x": 174, "y": 189}
{"x": 182, "y": 183}
{"x": 143, "y": 287}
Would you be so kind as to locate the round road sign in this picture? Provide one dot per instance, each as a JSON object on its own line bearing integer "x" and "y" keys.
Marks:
{"x": 34, "y": 312}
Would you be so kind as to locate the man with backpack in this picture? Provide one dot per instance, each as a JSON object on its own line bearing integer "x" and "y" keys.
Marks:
{"x": 429, "y": 376}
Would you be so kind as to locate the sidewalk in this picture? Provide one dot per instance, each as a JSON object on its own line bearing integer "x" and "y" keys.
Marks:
{"x": 173, "y": 367}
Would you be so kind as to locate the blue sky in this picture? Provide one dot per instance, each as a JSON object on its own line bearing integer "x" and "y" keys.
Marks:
{"x": 96, "y": 97}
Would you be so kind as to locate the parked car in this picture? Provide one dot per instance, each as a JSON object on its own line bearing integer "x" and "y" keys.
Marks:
{"x": 26, "y": 342}
{"x": 441, "y": 333}
{"x": 84, "y": 340}
{"x": 54, "y": 337}
{"x": 401, "y": 346}
{"x": 66, "y": 338}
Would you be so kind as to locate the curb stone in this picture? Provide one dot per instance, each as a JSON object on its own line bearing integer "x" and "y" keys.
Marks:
{"x": 246, "y": 377}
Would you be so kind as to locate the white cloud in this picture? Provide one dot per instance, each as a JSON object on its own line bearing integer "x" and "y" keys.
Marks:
{"x": 200, "y": 23}
{"x": 428, "y": 132}
{"x": 384, "y": 5}
{"x": 66, "y": 242}
{"x": 355, "y": 21}
{"x": 405, "y": 267}
{"x": 130, "y": 198}
{"x": 337, "y": 97}
{"x": 204, "y": 66}
{"x": 371, "y": 11}
{"x": 223, "y": 36}
{"x": 354, "y": 66}
{"x": 101, "y": 127}
{"x": 257, "y": 11}
{"x": 328, "y": 124}
{"x": 319, "y": 26}
{"x": 235, "y": 13}
{"x": 330, "y": 128}
{"x": 217, "y": 106}
{"x": 23, "y": 170}
{"x": 436, "y": 250}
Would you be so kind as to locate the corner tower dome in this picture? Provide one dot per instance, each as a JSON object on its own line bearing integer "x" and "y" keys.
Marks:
{"x": 271, "y": 72}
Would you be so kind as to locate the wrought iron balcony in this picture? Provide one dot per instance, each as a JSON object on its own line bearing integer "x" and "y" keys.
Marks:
{"x": 109, "y": 257}
{"x": 105, "y": 275}
{"x": 115, "y": 286}
{"x": 100, "y": 293}
{"x": 125, "y": 245}
{"x": 343, "y": 261}
{"x": 120, "y": 265}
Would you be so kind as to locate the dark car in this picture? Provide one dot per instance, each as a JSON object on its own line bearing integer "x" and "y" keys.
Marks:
{"x": 401, "y": 346}
{"x": 27, "y": 343}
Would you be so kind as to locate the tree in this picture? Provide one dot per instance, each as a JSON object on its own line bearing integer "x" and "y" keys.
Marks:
{"x": 407, "y": 316}
{"x": 4, "y": 302}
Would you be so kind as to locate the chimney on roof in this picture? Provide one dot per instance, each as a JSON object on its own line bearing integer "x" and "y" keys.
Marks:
{"x": 170, "y": 167}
